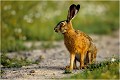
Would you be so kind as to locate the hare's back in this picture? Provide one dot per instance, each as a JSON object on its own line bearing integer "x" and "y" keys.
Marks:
{"x": 82, "y": 34}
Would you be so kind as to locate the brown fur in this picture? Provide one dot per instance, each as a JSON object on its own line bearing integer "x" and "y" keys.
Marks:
{"x": 78, "y": 43}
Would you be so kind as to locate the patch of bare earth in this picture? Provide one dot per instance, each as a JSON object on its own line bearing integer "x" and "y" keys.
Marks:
{"x": 55, "y": 59}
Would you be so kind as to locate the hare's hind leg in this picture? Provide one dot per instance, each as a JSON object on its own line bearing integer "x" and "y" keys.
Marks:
{"x": 86, "y": 60}
{"x": 75, "y": 64}
{"x": 82, "y": 61}
{"x": 94, "y": 56}
{"x": 90, "y": 57}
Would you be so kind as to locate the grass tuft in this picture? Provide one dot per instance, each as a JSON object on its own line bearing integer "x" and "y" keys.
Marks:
{"x": 103, "y": 70}
{"x": 14, "y": 62}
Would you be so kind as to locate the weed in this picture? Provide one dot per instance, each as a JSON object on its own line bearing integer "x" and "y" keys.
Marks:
{"x": 102, "y": 70}
{"x": 36, "y": 20}
{"x": 12, "y": 45}
{"x": 14, "y": 62}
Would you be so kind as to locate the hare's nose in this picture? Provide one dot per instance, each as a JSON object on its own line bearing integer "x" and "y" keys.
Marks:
{"x": 56, "y": 30}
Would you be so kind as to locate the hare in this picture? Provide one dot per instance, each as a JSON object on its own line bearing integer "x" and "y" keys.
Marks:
{"x": 79, "y": 44}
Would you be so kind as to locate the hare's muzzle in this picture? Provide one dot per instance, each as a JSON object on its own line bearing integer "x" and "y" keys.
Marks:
{"x": 56, "y": 29}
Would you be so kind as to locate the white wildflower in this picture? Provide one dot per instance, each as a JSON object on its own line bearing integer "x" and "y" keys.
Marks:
{"x": 18, "y": 30}
{"x": 28, "y": 19}
{"x": 113, "y": 59}
{"x": 7, "y": 7}
{"x": 13, "y": 12}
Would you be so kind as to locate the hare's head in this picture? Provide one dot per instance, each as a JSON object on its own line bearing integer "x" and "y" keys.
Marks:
{"x": 64, "y": 26}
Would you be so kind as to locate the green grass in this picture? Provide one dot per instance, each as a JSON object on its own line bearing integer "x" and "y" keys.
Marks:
{"x": 12, "y": 45}
{"x": 14, "y": 62}
{"x": 102, "y": 70}
{"x": 35, "y": 21}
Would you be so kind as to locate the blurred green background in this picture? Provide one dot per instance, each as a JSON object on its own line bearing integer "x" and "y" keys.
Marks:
{"x": 23, "y": 21}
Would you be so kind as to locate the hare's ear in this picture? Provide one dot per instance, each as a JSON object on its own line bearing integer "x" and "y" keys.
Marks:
{"x": 73, "y": 10}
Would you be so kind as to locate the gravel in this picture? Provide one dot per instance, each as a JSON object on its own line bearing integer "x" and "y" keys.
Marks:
{"x": 55, "y": 59}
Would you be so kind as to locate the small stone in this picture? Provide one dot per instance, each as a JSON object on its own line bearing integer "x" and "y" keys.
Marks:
{"x": 32, "y": 71}
{"x": 53, "y": 73}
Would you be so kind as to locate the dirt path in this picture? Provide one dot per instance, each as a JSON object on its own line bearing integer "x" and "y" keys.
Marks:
{"x": 55, "y": 59}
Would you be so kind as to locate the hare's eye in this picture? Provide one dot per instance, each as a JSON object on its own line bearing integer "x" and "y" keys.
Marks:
{"x": 61, "y": 23}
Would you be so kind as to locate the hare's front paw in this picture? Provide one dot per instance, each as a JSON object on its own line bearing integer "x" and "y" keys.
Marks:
{"x": 82, "y": 67}
{"x": 68, "y": 69}
{"x": 74, "y": 67}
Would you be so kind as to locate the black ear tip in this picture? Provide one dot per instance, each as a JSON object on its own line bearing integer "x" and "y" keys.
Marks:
{"x": 73, "y": 5}
{"x": 78, "y": 6}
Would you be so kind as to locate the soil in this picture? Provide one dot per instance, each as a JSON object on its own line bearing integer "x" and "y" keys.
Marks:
{"x": 54, "y": 60}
